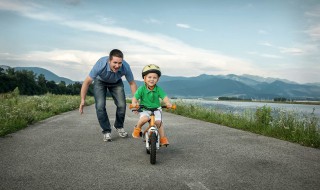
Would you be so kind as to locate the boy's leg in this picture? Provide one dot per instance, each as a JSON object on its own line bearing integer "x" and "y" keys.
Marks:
{"x": 143, "y": 120}
{"x": 137, "y": 128}
{"x": 160, "y": 128}
{"x": 163, "y": 139}
{"x": 100, "y": 91}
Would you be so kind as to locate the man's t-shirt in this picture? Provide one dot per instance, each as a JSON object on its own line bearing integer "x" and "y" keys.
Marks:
{"x": 150, "y": 98}
{"x": 101, "y": 70}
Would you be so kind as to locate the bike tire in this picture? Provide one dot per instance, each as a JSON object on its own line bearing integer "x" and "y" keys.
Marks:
{"x": 153, "y": 148}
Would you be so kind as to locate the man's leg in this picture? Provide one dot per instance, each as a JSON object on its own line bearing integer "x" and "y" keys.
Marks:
{"x": 117, "y": 92}
{"x": 100, "y": 90}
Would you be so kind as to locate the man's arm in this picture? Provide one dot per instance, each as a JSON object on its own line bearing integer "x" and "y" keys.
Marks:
{"x": 133, "y": 87}
{"x": 84, "y": 89}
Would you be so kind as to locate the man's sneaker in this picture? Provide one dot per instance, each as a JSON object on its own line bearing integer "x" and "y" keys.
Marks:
{"x": 136, "y": 132}
{"x": 121, "y": 132}
{"x": 107, "y": 137}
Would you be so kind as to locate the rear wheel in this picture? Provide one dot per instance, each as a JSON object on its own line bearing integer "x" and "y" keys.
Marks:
{"x": 153, "y": 148}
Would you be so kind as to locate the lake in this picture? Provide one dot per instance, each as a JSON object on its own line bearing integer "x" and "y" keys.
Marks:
{"x": 239, "y": 107}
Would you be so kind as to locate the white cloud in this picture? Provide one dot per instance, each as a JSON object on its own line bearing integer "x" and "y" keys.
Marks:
{"x": 266, "y": 55}
{"x": 291, "y": 51}
{"x": 152, "y": 21}
{"x": 186, "y": 26}
{"x": 106, "y": 20}
{"x": 314, "y": 20}
{"x": 261, "y": 31}
{"x": 172, "y": 55}
{"x": 314, "y": 32}
{"x": 182, "y": 25}
{"x": 266, "y": 44}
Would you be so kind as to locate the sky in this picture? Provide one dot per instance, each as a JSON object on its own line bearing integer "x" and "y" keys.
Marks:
{"x": 279, "y": 39}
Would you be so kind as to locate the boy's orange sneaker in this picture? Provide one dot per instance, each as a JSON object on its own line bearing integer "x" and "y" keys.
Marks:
{"x": 164, "y": 141}
{"x": 136, "y": 132}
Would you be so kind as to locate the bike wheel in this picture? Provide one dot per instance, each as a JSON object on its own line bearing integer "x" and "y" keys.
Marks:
{"x": 153, "y": 148}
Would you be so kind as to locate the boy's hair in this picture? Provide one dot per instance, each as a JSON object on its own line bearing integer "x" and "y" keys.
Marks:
{"x": 115, "y": 53}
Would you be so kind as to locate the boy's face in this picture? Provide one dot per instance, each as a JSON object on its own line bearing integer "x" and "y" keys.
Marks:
{"x": 115, "y": 63}
{"x": 151, "y": 79}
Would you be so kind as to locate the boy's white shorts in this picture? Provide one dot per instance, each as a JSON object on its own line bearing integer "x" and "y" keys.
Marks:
{"x": 157, "y": 114}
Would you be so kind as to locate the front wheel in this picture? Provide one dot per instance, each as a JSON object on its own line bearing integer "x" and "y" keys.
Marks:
{"x": 153, "y": 148}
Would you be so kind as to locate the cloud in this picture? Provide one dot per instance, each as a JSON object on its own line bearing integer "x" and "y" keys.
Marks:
{"x": 314, "y": 32}
{"x": 73, "y": 2}
{"x": 174, "y": 56}
{"x": 106, "y": 20}
{"x": 266, "y": 44}
{"x": 266, "y": 55}
{"x": 313, "y": 16}
{"x": 314, "y": 12}
{"x": 152, "y": 21}
{"x": 182, "y": 25}
{"x": 261, "y": 31}
{"x": 75, "y": 63}
{"x": 292, "y": 51}
{"x": 186, "y": 26}
{"x": 283, "y": 50}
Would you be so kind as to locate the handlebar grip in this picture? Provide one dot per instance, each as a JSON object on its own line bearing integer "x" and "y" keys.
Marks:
{"x": 172, "y": 107}
{"x": 131, "y": 106}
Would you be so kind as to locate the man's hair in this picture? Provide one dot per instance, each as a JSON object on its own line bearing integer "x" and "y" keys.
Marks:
{"x": 115, "y": 53}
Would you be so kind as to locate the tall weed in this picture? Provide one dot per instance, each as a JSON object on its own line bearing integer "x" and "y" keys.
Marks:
{"x": 279, "y": 124}
{"x": 17, "y": 112}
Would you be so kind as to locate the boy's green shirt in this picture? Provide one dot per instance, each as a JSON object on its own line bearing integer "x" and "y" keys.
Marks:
{"x": 150, "y": 98}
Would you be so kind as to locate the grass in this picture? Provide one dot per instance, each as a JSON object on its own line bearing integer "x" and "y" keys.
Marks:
{"x": 17, "y": 112}
{"x": 279, "y": 124}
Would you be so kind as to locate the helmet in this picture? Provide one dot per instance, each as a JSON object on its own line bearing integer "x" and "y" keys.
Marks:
{"x": 151, "y": 69}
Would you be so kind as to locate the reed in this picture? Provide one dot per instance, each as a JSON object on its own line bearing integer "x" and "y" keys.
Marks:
{"x": 279, "y": 124}
{"x": 17, "y": 112}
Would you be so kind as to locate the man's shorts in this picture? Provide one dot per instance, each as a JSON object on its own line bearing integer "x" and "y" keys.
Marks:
{"x": 157, "y": 114}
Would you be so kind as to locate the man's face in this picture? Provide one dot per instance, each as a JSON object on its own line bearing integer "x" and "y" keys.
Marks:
{"x": 115, "y": 63}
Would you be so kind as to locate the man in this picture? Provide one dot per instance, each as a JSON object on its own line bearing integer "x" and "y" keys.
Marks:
{"x": 106, "y": 74}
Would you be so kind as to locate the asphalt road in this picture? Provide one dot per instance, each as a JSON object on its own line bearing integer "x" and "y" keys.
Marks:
{"x": 68, "y": 152}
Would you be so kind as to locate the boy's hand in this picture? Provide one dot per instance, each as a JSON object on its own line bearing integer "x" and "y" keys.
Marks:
{"x": 135, "y": 105}
{"x": 169, "y": 105}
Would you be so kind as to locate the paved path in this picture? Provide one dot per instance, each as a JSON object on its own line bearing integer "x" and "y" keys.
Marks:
{"x": 67, "y": 152}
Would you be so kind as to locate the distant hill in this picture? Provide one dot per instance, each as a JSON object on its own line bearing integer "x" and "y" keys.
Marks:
{"x": 213, "y": 86}
{"x": 244, "y": 86}
{"x": 48, "y": 74}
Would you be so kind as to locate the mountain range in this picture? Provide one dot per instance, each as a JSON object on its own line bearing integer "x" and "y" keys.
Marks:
{"x": 50, "y": 76}
{"x": 244, "y": 86}
{"x": 213, "y": 86}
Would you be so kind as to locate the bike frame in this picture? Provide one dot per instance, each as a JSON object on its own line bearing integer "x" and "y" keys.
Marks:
{"x": 150, "y": 130}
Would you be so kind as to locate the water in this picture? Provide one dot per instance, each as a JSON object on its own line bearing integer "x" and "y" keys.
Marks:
{"x": 240, "y": 107}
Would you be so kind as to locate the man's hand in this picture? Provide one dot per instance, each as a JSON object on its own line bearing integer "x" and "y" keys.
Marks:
{"x": 82, "y": 104}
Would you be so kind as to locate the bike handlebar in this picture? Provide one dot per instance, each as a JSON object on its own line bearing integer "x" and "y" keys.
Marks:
{"x": 142, "y": 106}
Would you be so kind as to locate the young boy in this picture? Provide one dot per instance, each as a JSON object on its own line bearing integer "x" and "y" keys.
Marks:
{"x": 149, "y": 95}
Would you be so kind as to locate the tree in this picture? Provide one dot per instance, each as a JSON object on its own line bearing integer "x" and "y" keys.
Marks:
{"x": 42, "y": 83}
{"x": 26, "y": 83}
